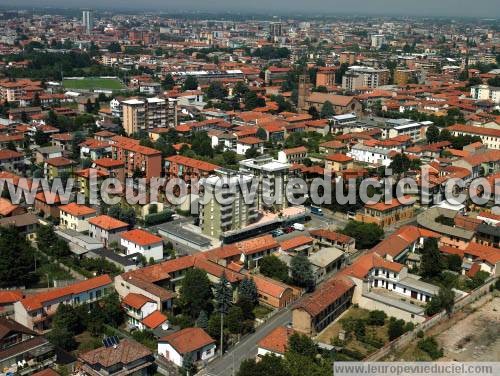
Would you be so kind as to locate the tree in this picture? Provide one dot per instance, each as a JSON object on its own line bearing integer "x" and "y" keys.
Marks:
{"x": 431, "y": 347}
{"x": 302, "y": 344}
{"x": 366, "y": 235}
{"x": 396, "y": 328}
{"x": 114, "y": 47}
{"x": 70, "y": 318}
{"x": 248, "y": 290}
{"x": 261, "y": 133}
{"x": 62, "y": 338}
{"x": 400, "y": 164}
{"x": 240, "y": 89}
{"x": 41, "y": 138}
{"x": 327, "y": 110}
{"x": 431, "y": 264}
{"x": 273, "y": 267}
{"x": 235, "y": 320}
{"x": 269, "y": 365}
{"x": 376, "y": 317}
{"x": 168, "y": 82}
{"x": 202, "y": 320}
{"x": 17, "y": 259}
{"x": 195, "y": 293}
{"x": 188, "y": 365}
{"x": 112, "y": 310}
{"x": 432, "y": 134}
{"x": 301, "y": 271}
{"x": 224, "y": 298}
{"x": 191, "y": 83}
{"x": 216, "y": 91}
{"x": 454, "y": 263}
{"x": 253, "y": 101}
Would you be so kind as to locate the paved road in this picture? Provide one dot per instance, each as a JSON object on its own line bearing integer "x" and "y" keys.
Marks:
{"x": 246, "y": 348}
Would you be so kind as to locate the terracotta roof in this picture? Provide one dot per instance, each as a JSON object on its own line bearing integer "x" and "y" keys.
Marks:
{"x": 336, "y": 100}
{"x": 361, "y": 267}
{"x": 108, "y": 162}
{"x": 483, "y": 252}
{"x": 382, "y": 206}
{"x": 46, "y": 372}
{"x": 77, "y": 210}
{"x": 127, "y": 351}
{"x": 141, "y": 237}
{"x": 36, "y": 301}
{"x": 451, "y": 250}
{"x": 107, "y": 223}
{"x": 154, "y": 320}
{"x": 59, "y": 161}
{"x": 483, "y": 131}
{"x": 191, "y": 162}
{"x": 188, "y": 340}
{"x": 299, "y": 149}
{"x": 341, "y": 158}
{"x": 326, "y": 294}
{"x": 9, "y": 154}
{"x": 10, "y": 296}
{"x": 251, "y": 140}
{"x": 331, "y": 235}
{"x": 297, "y": 241}
{"x": 269, "y": 286}
{"x": 135, "y": 300}
{"x": 276, "y": 340}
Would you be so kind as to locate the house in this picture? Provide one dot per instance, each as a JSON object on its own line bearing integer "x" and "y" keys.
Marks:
{"x": 293, "y": 155}
{"x": 316, "y": 311}
{"x": 179, "y": 166}
{"x": 128, "y": 357}
{"x": 8, "y": 209}
{"x": 47, "y": 204}
{"x": 47, "y": 152}
{"x": 275, "y": 342}
{"x": 300, "y": 244}
{"x": 334, "y": 239}
{"x": 485, "y": 258}
{"x": 247, "y": 143}
{"x": 25, "y": 224}
{"x": 11, "y": 160}
{"x": 36, "y": 311}
{"x": 75, "y": 216}
{"x": 386, "y": 214}
{"x": 115, "y": 169}
{"x": 272, "y": 293}
{"x": 326, "y": 261}
{"x": 107, "y": 229}
{"x": 194, "y": 341}
{"x": 58, "y": 167}
{"x": 138, "y": 307}
{"x": 22, "y": 351}
{"x": 143, "y": 242}
{"x": 7, "y": 300}
{"x": 338, "y": 162}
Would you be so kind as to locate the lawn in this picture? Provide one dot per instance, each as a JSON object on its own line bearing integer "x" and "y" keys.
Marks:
{"x": 261, "y": 311}
{"x": 89, "y": 83}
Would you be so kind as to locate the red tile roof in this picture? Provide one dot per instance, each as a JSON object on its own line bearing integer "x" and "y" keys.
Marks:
{"x": 295, "y": 242}
{"x": 141, "y": 237}
{"x": 10, "y": 296}
{"x": 154, "y": 320}
{"x": 77, "y": 210}
{"x": 135, "y": 300}
{"x": 126, "y": 352}
{"x": 107, "y": 223}
{"x": 36, "y": 301}
{"x": 269, "y": 286}
{"x": 331, "y": 235}
{"x": 188, "y": 340}
{"x": 191, "y": 162}
{"x": 276, "y": 340}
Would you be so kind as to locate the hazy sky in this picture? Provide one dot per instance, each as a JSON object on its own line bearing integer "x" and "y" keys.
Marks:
{"x": 473, "y": 8}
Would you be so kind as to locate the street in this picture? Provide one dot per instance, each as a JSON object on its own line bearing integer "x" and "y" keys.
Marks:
{"x": 247, "y": 348}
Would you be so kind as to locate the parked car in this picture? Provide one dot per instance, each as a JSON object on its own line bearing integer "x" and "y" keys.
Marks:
{"x": 299, "y": 226}
{"x": 288, "y": 229}
{"x": 277, "y": 232}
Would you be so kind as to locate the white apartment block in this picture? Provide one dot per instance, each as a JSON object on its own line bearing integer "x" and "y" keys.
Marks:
{"x": 371, "y": 155}
{"x": 485, "y": 92}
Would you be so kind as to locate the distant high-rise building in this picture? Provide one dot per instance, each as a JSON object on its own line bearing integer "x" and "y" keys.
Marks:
{"x": 276, "y": 29}
{"x": 88, "y": 20}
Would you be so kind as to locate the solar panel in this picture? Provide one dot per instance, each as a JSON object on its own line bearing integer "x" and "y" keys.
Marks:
{"x": 111, "y": 341}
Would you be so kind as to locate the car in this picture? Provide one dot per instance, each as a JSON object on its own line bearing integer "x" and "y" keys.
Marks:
{"x": 277, "y": 232}
{"x": 288, "y": 229}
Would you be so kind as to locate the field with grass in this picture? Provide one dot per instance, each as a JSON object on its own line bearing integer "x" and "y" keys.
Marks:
{"x": 92, "y": 83}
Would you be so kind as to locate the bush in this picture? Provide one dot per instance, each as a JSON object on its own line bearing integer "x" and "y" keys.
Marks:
{"x": 156, "y": 218}
{"x": 396, "y": 328}
{"x": 376, "y": 317}
{"x": 430, "y": 346}
{"x": 420, "y": 334}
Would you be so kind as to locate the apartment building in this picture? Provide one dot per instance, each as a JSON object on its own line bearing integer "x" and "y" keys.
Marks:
{"x": 179, "y": 166}
{"x": 385, "y": 214}
{"x": 272, "y": 177}
{"x": 359, "y": 77}
{"x": 217, "y": 217}
{"x": 149, "y": 113}
{"x": 136, "y": 157}
{"x": 489, "y": 136}
{"x": 36, "y": 311}
{"x": 326, "y": 76}
{"x": 485, "y": 92}
{"x": 293, "y": 155}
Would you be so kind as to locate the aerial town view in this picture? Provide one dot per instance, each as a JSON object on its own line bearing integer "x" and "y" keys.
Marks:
{"x": 222, "y": 188}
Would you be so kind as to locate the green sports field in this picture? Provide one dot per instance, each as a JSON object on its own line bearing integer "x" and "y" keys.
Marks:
{"x": 91, "y": 83}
